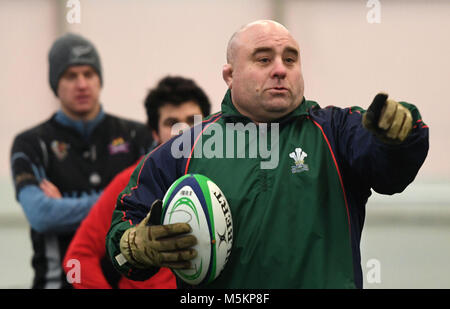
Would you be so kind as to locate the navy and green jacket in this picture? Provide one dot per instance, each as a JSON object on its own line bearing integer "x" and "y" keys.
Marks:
{"x": 297, "y": 225}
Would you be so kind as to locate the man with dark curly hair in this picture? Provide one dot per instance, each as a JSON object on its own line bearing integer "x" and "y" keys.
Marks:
{"x": 173, "y": 97}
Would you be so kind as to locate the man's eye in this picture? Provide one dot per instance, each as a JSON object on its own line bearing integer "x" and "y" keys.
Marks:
{"x": 70, "y": 76}
{"x": 170, "y": 122}
{"x": 290, "y": 60}
{"x": 190, "y": 121}
{"x": 264, "y": 60}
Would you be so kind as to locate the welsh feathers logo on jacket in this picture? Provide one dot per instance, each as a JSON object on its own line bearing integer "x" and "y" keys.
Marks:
{"x": 299, "y": 158}
{"x": 118, "y": 145}
{"x": 60, "y": 149}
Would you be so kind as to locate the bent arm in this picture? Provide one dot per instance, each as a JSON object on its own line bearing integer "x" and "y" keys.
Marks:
{"x": 149, "y": 181}
{"x": 47, "y": 214}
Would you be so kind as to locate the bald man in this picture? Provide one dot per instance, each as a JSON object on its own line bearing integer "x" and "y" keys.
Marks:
{"x": 297, "y": 224}
{"x": 263, "y": 87}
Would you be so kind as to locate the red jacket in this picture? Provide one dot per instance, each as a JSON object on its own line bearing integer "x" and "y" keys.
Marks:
{"x": 88, "y": 244}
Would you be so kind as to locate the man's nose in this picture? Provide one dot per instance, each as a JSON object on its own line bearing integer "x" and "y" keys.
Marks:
{"x": 279, "y": 69}
{"x": 81, "y": 82}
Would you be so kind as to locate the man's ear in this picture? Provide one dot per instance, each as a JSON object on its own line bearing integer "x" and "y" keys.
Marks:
{"x": 155, "y": 136}
{"x": 227, "y": 74}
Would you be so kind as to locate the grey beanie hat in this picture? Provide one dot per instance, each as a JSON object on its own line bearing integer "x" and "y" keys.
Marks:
{"x": 71, "y": 49}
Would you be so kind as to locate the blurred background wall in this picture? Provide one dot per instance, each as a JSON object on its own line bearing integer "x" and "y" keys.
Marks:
{"x": 350, "y": 49}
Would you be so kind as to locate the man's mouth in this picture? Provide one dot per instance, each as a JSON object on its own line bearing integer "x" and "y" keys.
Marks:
{"x": 278, "y": 90}
{"x": 82, "y": 97}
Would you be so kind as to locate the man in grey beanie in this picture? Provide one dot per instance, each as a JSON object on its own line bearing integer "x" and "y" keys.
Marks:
{"x": 68, "y": 50}
{"x": 75, "y": 76}
{"x": 61, "y": 166}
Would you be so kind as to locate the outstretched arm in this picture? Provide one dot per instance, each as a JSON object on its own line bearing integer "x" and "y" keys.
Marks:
{"x": 385, "y": 146}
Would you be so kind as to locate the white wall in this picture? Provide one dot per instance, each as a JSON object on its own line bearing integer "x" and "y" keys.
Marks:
{"x": 347, "y": 60}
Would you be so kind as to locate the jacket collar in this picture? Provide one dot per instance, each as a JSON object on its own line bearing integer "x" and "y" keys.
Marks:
{"x": 84, "y": 128}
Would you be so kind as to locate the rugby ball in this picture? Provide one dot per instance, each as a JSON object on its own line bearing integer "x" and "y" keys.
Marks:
{"x": 198, "y": 201}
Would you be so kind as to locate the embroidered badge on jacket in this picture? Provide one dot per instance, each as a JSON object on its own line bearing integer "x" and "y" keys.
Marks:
{"x": 299, "y": 158}
{"x": 60, "y": 149}
{"x": 118, "y": 145}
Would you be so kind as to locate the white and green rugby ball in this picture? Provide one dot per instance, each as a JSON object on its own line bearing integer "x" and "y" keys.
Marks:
{"x": 198, "y": 201}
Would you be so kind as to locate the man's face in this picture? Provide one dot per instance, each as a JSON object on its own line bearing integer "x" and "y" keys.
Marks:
{"x": 170, "y": 114}
{"x": 79, "y": 91}
{"x": 265, "y": 75}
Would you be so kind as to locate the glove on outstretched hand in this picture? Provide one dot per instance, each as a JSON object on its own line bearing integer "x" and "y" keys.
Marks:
{"x": 390, "y": 121}
{"x": 157, "y": 245}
